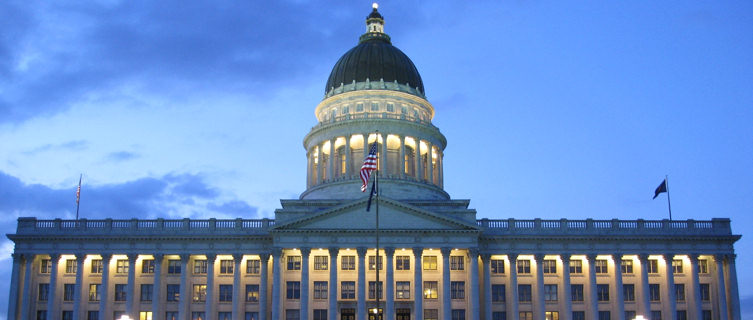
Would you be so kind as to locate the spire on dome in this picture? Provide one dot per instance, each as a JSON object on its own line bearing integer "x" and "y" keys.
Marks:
{"x": 374, "y": 26}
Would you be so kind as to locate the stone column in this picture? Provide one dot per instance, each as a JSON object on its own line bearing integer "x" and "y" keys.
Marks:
{"x": 538, "y": 302}
{"x": 473, "y": 255}
{"x": 430, "y": 157}
{"x": 619, "y": 295}
{"x": 366, "y": 145}
{"x": 130, "y": 286}
{"x": 52, "y": 295}
{"x": 566, "y": 297}
{"x": 644, "y": 294}
{"x": 361, "y": 293}
{"x": 669, "y": 296}
{"x": 309, "y": 169}
{"x": 319, "y": 165}
{"x": 721, "y": 289}
{"x": 157, "y": 310}
{"x": 331, "y": 164}
{"x": 276, "y": 281}
{"x": 696, "y": 311}
{"x": 184, "y": 299}
{"x": 209, "y": 302}
{"x": 383, "y": 155}
{"x": 401, "y": 160}
{"x": 263, "y": 286}
{"x": 332, "y": 313}
{"x": 512, "y": 299}
{"x": 78, "y": 286}
{"x": 348, "y": 160}
{"x": 419, "y": 163}
{"x": 104, "y": 287}
{"x": 389, "y": 301}
{"x": 305, "y": 252}
{"x": 25, "y": 303}
{"x": 13, "y": 296}
{"x": 487, "y": 266}
{"x": 418, "y": 282}
{"x": 446, "y": 284}
{"x": 733, "y": 292}
{"x": 440, "y": 166}
{"x": 592, "y": 311}
{"x": 238, "y": 299}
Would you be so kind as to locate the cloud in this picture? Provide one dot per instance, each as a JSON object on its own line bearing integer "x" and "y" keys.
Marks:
{"x": 74, "y": 145}
{"x": 121, "y": 156}
{"x": 169, "y": 196}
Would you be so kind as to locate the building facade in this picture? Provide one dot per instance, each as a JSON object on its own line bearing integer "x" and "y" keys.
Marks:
{"x": 318, "y": 258}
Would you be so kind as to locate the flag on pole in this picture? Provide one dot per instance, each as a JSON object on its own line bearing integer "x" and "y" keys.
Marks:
{"x": 369, "y": 164}
{"x": 661, "y": 188}
{"x": 78, "y": 191}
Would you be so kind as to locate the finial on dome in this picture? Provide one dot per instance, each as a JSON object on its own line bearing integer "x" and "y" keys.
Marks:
{"x": 375, "y": 5}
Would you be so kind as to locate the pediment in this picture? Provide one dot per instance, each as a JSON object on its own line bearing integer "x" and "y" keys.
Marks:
{"x": 393, "y": 215}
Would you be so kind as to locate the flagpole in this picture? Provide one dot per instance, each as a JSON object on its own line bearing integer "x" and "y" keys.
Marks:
{"x": 78, "y": 194}
{"x": 669, "y": 204}
{"x": 376, "y": 181}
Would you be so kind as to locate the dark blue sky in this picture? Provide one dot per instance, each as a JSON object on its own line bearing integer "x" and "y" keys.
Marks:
{"x": 551, "y": 110}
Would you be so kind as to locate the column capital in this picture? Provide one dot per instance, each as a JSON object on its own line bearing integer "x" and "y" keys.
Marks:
{"x": 333, "y": 251}
{"x": 237, "y": 257}
{"x": 591, "y": 257}
{"x": 643, "y": 257}
{"x": 80, "y": 257}
{"x": 513, "y": 256}
{"x": 693, "y": 257}
{"x": 305, "y": 251}
{"x": 418, "y": 251}
{"x": 389, "y": 251}
{"x": 16, "y": 257}
{"x": 106, "y": 257}
{"x": 158, "y": 257}
{"x": 565, "y": 257}
{"x": 29, "y": 257}
{"x": 668, "y": 256}
{"x": 486, "y": 257}
{"x": 539, "y": 257}
{"x": 211, "y": 256}
{"x": 731, "y": 257}
{"x": 361, "y": 251}
{"x": 184, "y": 257}
{"x": 54, "y": 257}
{"x": 617, "y": 256}
{"x": 132, "y": 257}
{"x": 473, "y": 253}
{"x": 276, "y": 252}
{"x": 445, "y": 251}
{"x": 264, "y": 257}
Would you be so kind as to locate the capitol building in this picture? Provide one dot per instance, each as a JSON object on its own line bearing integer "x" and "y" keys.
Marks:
{"x": 437, "y": 259}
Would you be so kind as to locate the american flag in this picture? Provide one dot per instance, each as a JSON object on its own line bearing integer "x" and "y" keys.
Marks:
{"x": 78, "y": 191}
{"x": 369, "y": 164}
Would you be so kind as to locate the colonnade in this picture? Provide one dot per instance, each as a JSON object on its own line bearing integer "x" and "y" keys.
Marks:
{"x": 413, "y": 158}
{"x": 476, "y": 303}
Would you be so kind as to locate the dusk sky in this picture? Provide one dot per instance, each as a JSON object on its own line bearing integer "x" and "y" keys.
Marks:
{"x": 551, "y": 109}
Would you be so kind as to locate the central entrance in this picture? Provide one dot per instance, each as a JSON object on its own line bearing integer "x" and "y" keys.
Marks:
{"x": 402, "y": 314}
{"x": 347, "y": 314}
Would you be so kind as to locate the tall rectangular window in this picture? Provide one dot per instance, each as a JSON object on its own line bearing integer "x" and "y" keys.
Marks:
{"x": 92, "y": 315}
{"x": 576, "y": 292}
{"x": 373, "y": 290}
{"x": 628, "y": 292}
{"x": 226, "y": 266}
{"x": 457, "y": 263}
{"x": 173, "y": 292}
{"x": 679, "y": 292}
{"x": 96, "y": 266}
{"x": 224, "y": 316}
{"x": 705, "y": 292}
{"x": 121, "y": 266}
{"x": 253, "y": 266}
{"x": 656, "y": 315}
{"x": 499, "y": 315}
{"x": 171, "y": 315}
{"x": 226, "y": 292}
{"x": 374, "y": 106}
{"x": 320, "y": 314}
{"x": 602, "y": 292}
{"x": 431, "y": 314}
{"x": 147, "y": 266}
{"x": 605, "y": 315}
{"x": 147, "y": 292}
{"x": 579, "y": 315}
{"x": 71, "y": 266}
{"x": 45, "y": 266}
{"x": 498, "y": 293}
{"x": 321, "y": 262}
{"x": 703, "y": 266}
{"x": 630, "y": 315}
{"x": 390, "y": 107}
{"x": 320, "y": 289}
{"x": 251, "y": 316}
{"x": 197, "y": 315}
{"x": 498, "y": 266}
{"x": 348, "y": 263}
{"x": 457, "y": 289}
{"x": 199, "y": 293}
{"x": 252, "y": 293}
{"x": 41, "y": 314}
{"x": 294, "y": 262}
{"x": 524, "y": 293}
{"x": 550, "y": 292}
{"x": 706, "y": 315}
{"x": 347, "y": 290}
{"x": 430, "y": 289}
{"x": 525, "y": 315}
{"x": 372, "y": 263}
{"x": 120, "y": 292}
{"x": 576, "y": 266}
{"x": 402, "y": 263}
{"x": 653, "y": 266}
{"x": 293, "y": 290}
{"x": 550, "y": 266}
{"x": 677, "y": 266}
{"x": 524, "y": 266}
{"x": 430, "y": 263}
{"x": 682, "y": 315}
{"x": 94, "y": 292}
{"x": 200, "y": 267}
{"x": 458, "y": 314}
{"x": 601, "y": 266}
{"x": 654, "y": 293}
{"x": 43, "y": 292}
{"x": 173, "y": 266}
{"x": 402, "y": 290}
{"x": 68, "y": 289}
{"x": 359, "y": 107}
{"x": 292, "y": 314}
{"x": 145, "y": 315}
{"x": 626, "y": 266}
{"x": 552, "y": 315}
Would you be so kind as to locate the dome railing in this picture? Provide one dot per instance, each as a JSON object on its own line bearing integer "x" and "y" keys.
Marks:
{"x": 374, "y": 115}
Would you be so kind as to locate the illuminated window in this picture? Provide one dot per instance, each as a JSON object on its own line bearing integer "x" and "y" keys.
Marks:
{"x": 576, "y": 266}
{"x": 626, "y": 266}
{"x": 348, "y": 263}
{"x": 430, "y": 263}
{"x": 550, "y": 266}
{"x": 524, "y": 266}
{"x": 497, "y": 266}
{"x": 430, "y": 289}
{"x": 320, "y": 262}
{"x": 200, "y": 267}
{"x": 199, "y": 293}
{"x": 252, "y": 293}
